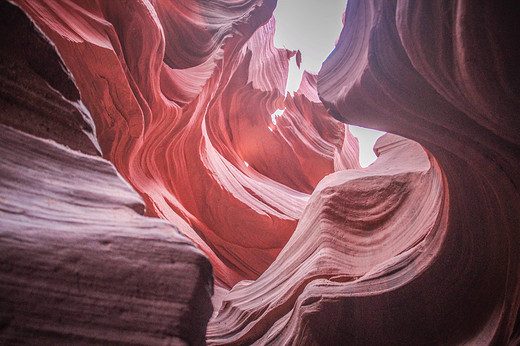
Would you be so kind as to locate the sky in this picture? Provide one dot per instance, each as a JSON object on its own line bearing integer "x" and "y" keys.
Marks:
{"x": 313, "y": 26}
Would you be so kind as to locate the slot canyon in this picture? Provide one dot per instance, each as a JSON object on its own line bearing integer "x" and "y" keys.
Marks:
{"x": 148, "y": 194}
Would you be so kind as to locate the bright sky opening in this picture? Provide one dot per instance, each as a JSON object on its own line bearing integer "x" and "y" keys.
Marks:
{"x": 313, "y": 27}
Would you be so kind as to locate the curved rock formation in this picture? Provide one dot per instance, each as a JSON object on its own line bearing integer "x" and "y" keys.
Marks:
{"x": 359, "y": 228}
{"x": 353, "y": 272}
{"x": 188, "y": 100}
{"x": 443, "y": 73}
{"x": 214, "y": 140}
{"x": 79, "y": 263}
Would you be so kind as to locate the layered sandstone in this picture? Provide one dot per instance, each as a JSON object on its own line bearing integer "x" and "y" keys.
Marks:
{"x": 214, "y": 140}
{"x": 445, "y": 74}
{"x": 359, "y": 231}
{"x": 79, "y": 263}
{"x": 439, "y": 263}
{"x": 188, "y": 102}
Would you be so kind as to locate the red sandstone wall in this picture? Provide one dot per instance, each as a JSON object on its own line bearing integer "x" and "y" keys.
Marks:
{"x": 420, "y": 248}
{"x": 180, "y": 106}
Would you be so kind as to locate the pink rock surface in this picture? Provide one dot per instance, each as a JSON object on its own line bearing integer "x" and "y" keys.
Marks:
{"x": 359, "y": 228}
{"x": 443, "y": 73}
{"x": 184, "y": 145}
{"x": 422, "y": 247}
{"x": 79, "y": 263}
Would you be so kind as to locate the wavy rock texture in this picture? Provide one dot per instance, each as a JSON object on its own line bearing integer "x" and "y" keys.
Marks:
{"x": 443, "y": 73}
{"x": 190, "y": 123}
{"x": 358, "y": 229}
{"x": 420, "y": 248}
{"x": 78, "y": 261}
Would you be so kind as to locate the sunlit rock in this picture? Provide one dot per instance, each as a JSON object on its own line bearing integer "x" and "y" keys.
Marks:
{"x": 79, "y": 263}
{"x": 187, "y": 155}
{"x": 187, "y": 101}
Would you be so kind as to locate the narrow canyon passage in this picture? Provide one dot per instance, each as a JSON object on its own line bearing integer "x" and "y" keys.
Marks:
{"x": 160, "y": 185}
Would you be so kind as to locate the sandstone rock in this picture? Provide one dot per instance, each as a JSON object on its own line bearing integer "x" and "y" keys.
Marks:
{"x": 215, "y": 140}
{"x": 443, "y": 73}
{"x": 78, "y": 261}
{"x": 79, "y": 264}
{"x": 36, "y": 94}
{"x": 422, "y": 247}
{"x": 362, "y": 231}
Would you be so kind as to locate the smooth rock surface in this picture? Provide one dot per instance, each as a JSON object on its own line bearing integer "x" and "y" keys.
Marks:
{"x": 443, "y": 73}
{"x": 188, "y": 100}
{"x": 79, "y": 263}
{"x": 188, "y": 127}
{"x": 360, "y": 230}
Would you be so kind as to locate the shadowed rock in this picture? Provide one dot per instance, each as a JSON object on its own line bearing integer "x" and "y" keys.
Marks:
{"x": 188, "y": 100}
{"x": 79, "y": 263}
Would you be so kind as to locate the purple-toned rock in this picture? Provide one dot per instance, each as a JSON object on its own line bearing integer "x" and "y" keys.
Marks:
{"x": 79, "y": 263}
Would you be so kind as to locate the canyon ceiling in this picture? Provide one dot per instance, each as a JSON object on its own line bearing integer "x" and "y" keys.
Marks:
{"x": 148, "y": 195}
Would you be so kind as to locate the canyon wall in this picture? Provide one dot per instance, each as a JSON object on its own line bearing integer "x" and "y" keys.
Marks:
{"x": 423, "y": 246}
{"x": 186, "y": 99}
{"x": 445, "y": 74}
{"x": 79, "y": 263}
{"x": 190, "y": 125}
